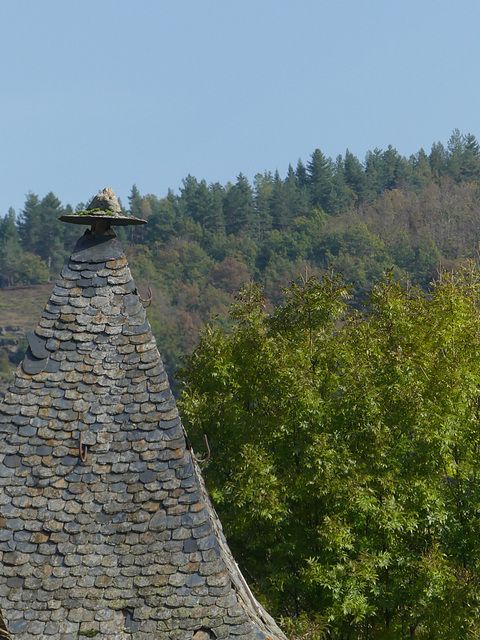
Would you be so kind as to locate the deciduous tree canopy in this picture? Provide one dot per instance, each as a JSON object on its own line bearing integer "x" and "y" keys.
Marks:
{"x": 348, "y": 442}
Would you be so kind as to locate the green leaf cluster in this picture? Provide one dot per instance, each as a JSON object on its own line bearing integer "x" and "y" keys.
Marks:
{"x": 345, "y": 448}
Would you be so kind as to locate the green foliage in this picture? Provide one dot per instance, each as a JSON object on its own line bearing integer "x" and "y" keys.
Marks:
{"x": 42, "y": 233}
{"x": 5, "y": 368}
{"x": 202, "y": 204}
{"x": 238, "y": 208}
{"x": 354, "y": 250}
{"x": 9, "y": 249}
{"x": 320, "y": 180}
{"x": 355, "y": 177}
{"x": 164, "y": 221}
{"x": 349, "y": 440}
{"x": 32, "y": 269}
{"x": 463, "y": 157}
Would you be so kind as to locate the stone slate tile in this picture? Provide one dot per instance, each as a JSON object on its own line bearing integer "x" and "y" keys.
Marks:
{"x": 37, "y": 345}
{"x": 33, "y": 365}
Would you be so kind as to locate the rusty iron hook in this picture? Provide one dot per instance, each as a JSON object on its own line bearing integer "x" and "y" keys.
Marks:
{"x": 82, "y": 449}
{"x": 208, "y": 451}
{"x": 148, "y": 299}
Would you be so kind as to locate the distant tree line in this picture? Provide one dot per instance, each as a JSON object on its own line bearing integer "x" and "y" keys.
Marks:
{"x": 201, "y": 244}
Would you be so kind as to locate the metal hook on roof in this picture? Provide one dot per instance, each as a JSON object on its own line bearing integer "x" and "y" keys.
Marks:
{"x": 208, "y": 451}
{"x": 148, "y": 299}
{"x": 82, "y": 449}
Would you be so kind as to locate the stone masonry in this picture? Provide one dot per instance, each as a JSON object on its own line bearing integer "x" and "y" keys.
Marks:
{"x": 106, "y": 528}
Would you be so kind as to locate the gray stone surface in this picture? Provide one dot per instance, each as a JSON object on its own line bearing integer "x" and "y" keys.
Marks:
{"x": 105, "y": 523}
{"x": 96, "y": 250}
{"x": 105, "y": 201}
{"x": 31, "y": 364}
{"x": 37, "y": 345}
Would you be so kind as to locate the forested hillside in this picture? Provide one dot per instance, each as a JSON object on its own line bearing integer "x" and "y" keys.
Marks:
{"x": 204, "y": 242}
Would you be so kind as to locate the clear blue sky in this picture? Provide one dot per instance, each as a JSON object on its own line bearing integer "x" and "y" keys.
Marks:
{"x": 115, "y": 92}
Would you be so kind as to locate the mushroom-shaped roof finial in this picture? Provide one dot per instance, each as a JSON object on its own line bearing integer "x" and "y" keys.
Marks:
{"x": 103, "y": 212}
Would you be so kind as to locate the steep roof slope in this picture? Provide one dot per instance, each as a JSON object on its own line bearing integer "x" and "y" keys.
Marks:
{"x": 105, "y": 524}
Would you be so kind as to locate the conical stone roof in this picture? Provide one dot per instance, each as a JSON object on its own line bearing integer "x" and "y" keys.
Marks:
{"x": 106, "y": 528}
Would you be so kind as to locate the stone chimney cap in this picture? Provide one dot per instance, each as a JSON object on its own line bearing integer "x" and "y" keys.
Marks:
{"x": 105, "y": 201}
{"x": 104, "y": 207}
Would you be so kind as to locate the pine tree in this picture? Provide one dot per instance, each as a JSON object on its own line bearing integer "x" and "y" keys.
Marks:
{"x": 342, "y": 195}
{"x": 355, "y": 176}
{"x": 278, "y": 204}
{"x": 9, "y": 249}
{"x": 238, "y": 207}
{"x": 374, "y": 173}
{"x": 455, "y": 155}
{"x": 320, "y": 180}
{"x": 421, "y": 167}
{"x": 301, "y": 174}
{"x": 438, "y": 160}
{"x": 215, "y": 221}
{"x": 296, "y": 196}
{"x": 470, "y": 159}
{"x": 203, "y": 204}
{"x": 41, "y": 231}
{"x": 135, "y": 202}
{"x": 263, "y": 187}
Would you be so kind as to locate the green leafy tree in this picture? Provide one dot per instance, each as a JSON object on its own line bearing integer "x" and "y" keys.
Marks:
{"x": 463, "y": 157}
{"x": 289, "y": 200}
{"x": 9, "y": 249}
{"x": 355, "y": 251}
{"x": 216, "y": 220}
{"x": 135, "y": 202}
{"x": 32, "y": 269}
{"x": 42, "y": 233}
{"x": 348, "y": 441}
{"x": 455, "y": 154}
{"x": 427, "y": 260}
{"x": 403, "y": 254}
{"x": 296, "y": 196}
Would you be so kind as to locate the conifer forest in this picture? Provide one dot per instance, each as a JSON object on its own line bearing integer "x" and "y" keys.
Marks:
{"x": 322, "y": 328}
